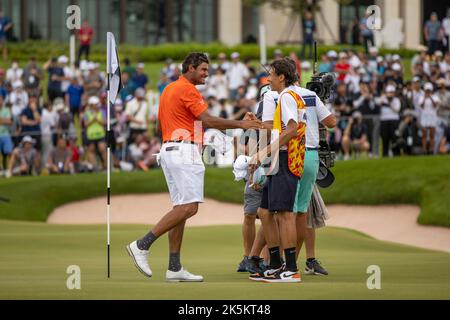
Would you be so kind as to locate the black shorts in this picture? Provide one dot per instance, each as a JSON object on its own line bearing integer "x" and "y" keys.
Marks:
{"x": 96, "y": 142}
{"x": 280, "y": 189}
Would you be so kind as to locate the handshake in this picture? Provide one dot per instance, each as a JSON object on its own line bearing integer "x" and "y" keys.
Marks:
{"x": 251, "y": 122}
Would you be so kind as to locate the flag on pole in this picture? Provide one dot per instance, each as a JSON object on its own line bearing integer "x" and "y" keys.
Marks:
{"x": 113, "y": 68}
{"x": 114, "y": 86}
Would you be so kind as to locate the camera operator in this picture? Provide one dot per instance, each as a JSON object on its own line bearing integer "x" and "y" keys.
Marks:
{"x": 408, "y": 141}
{"x": 316, "y": 113}
{"x": 355, "y": 136}
{"x": 390, "y": 116}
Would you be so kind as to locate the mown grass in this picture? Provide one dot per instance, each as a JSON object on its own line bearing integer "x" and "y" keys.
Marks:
{"x": 35, "y": 258}
{"x": 423, "y": 181}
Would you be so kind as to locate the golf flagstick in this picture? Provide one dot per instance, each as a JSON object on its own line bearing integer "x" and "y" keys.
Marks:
{"x": 113, "y": 89}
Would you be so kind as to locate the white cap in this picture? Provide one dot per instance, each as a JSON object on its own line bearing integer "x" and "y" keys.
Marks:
{"x": 342, "y": 55}
{"x": 396, "y": 57}
{"x": 306, "y": 65}
{"x": 94, "y": 100}
{"x": 241, "y": 162}
{"x": 141, "y": 65}
{"x": 278, "y": 52}
{"x": 380, "y": 59}
{"x": 332, "y": 54}
{"x": 240, "y": 166}
{"x": 90, "y": 66}
{"x": 17, "y": 84}
{"x": 416, "y": 79}
{"x": 235, "y": 55}
{"x": 428, "y": 86}
{"x": 396, "y": 67}
{"x": 84, "y": 65}
{"x": 27, "y": 139}
{"x": 140, "y": 93}
{"x": 357, "y": 114}
{"x": 390, "y": 89}
{"x": 438, "y": 53}
{"x": 63, "y": 59}
{"x": 58, "y": 104}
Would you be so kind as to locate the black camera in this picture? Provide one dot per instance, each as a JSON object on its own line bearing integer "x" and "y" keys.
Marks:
{"x": 325, "y": 154}
{"x": 321, "y": 84}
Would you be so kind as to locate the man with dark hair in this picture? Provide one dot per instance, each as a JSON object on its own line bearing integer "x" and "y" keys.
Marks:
{"x": 181, "y": 107}
{"x": 279, "y": 193}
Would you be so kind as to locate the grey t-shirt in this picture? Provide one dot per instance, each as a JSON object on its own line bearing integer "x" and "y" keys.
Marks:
{"x": 433, "y": 29}
{"x": 57, "y": 155}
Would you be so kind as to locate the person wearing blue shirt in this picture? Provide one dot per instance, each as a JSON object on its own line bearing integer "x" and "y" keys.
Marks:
{"x": 73, "y": 97}
{"x": 30, "y": 120}
{"x": 55, "y": 78}
{"x": 5, "y": 25}
{"x": 366, "y": 33}
{"x": 309, "y": 27}
{"x": 139, "y": 78}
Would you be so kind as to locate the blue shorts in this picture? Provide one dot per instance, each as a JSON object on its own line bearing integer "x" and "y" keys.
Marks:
{"x": 6, "y": 145}
{"x": 306, "y": 183}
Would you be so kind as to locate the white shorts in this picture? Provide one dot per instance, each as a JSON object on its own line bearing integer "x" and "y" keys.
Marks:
{"x": 184, "y": 171}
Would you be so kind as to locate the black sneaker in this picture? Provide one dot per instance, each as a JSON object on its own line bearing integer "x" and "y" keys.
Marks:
{"x": 252, "y": 264}
{"x": 260, "y": 276}
{"x": 263, "y": 265}
{"x": 315, "y": 268}
{"x": 242, "y": 265}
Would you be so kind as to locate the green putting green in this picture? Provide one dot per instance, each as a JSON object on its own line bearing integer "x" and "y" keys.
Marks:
{"x": 423, "y": 181}
{"x": 35, "y": 256}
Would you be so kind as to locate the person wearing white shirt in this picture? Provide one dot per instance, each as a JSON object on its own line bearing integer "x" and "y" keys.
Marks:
{"x": 18, "y": 98}
{"x": 14, "y": 73}
{"x": 390, "y": 117}
{"x": 218, "y": 85}
{"x": 429, "y": 104}
{"x": 237, "y": 75}
{"x": 138, "y": 113}
{"x": 49, "y": 122}
{"x": 280, "y": 189}
{"x": 446, "y": 28}
{"x": 68, "y": 73}
{"x": 316, "y": 112}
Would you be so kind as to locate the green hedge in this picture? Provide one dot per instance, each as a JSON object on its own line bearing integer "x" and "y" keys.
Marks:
{"x": 42, "y": 50}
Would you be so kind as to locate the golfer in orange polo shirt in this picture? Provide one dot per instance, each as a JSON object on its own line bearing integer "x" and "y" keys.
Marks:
{"x": 182, "y": 116}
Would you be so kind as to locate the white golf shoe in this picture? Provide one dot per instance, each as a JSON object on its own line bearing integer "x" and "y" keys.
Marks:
{"x": 140, "y": 258}
{"x": 182, "y": 276}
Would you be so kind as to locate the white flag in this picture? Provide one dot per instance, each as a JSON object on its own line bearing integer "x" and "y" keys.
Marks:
{"x": 113, "y": 68}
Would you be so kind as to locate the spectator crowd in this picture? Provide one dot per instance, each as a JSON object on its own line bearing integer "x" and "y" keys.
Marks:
{"x": 62, "y": 128}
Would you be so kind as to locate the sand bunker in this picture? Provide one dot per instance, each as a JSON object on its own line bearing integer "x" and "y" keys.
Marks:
{"x": 395, "y": 223}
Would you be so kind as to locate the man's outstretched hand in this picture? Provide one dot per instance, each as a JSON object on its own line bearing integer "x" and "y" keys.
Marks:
{"x": 252, "y": 124}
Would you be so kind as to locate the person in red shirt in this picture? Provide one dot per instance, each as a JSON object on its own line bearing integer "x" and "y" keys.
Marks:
{"x": 342, "y": 67}
{"x": 85, "y": 36}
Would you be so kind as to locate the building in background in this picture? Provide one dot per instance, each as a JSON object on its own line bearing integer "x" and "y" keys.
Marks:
{"x": 147, "y": 22}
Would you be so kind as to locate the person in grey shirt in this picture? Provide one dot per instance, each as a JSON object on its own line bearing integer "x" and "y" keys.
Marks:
{"x": 433, "y": 33}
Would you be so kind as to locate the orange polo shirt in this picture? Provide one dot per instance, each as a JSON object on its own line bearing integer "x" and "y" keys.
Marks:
{"x": 179, "y": 107}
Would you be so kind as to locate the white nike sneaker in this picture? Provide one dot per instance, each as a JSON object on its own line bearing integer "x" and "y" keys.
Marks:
{"x": 140, "y": 258}
{"x": 182, "y": 276}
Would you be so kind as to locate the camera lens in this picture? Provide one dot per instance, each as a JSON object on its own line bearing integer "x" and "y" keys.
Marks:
{"x": 317, "y": 88}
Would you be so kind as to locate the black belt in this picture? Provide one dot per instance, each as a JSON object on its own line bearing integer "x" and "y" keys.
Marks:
{"x": 180, "y": 141}
{"x": 312, "y": 149}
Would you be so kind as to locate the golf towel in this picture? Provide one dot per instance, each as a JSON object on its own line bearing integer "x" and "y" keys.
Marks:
{"x": 317, "y": 211}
